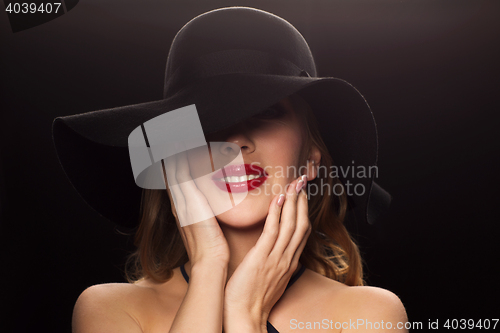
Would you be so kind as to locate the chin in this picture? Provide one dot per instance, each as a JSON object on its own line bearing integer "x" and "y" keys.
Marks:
{"x": 251, "y": 212}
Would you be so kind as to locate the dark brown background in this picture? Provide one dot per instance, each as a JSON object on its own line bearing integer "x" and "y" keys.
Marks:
{"x": 429, "y": 70}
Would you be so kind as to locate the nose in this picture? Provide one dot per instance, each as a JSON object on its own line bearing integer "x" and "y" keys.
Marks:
{"x": 236, "y": 136}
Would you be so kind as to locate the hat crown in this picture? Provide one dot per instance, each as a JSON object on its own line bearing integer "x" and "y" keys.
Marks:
{"x": 234, "y": 28}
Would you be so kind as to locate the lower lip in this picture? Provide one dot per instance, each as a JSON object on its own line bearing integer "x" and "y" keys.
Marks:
{"x": 240, "y": 187}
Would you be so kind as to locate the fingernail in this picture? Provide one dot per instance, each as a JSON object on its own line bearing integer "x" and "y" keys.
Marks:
{"x": 281, "y": 199}
{"x": 299, "y": 186}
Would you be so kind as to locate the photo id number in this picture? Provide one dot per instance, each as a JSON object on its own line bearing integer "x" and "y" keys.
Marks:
{"x": 31, "y": 7}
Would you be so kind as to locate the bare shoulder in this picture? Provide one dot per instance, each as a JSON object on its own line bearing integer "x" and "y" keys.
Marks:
{"x": 372, "y": 299}
{"x": 110, "y": 291}
{"x": 366, "y": 304}
{"x": 359, "y": 298}
{"x": 106, "y": 308}
{"x": 126, "y": 307}
{"x": 325, "y": 298}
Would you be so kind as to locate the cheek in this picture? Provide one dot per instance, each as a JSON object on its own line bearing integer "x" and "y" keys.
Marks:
{"x": 283, "y": 147}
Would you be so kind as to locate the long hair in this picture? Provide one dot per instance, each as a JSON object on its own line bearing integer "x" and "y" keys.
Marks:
{"x": 330, "y": 250}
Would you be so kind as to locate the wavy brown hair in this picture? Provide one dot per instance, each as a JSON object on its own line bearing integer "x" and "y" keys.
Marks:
{"x": 330, "y": 250}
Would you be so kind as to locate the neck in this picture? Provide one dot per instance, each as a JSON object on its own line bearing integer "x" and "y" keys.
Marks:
{"x": 240, "y": 241}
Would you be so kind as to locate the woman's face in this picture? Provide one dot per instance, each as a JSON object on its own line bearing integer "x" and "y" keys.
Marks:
{"x": 244, "y": 167}
{"x": 273, "y": 141}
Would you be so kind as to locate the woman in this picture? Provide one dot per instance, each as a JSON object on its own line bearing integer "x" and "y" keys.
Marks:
{"x": 274, "y": 261}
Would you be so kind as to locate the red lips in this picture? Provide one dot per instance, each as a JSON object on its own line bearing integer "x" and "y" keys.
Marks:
{"x": 238, "y": 171}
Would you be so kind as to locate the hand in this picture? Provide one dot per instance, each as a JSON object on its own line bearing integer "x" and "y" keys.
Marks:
{"x": 261, "y": 278}
{"x": 204, "y": 240}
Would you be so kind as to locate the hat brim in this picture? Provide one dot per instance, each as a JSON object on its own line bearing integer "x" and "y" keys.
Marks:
{"x": 93, "y": 147}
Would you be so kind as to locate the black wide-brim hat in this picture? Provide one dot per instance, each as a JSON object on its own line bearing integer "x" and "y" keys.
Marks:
{"x": 232, "y": 63}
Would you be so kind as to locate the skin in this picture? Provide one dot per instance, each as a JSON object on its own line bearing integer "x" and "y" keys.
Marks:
{"x": 242, "y": 259}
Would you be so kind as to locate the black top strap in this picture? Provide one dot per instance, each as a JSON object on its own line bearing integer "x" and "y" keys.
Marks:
{"x": 183, "y": 271}
{"x": 296, "y": 276}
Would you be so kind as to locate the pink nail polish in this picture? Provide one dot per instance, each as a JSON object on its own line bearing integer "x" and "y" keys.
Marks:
{"x": 281, "y": 199}
{"x": 299, "y": 186}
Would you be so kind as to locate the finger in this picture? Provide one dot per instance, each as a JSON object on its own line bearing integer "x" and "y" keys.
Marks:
{"x": 188, "y": 189}
{"x": 267, "y": 239}
{"x": 169, "y": 167}
{"x": 176, "y": 174}
{"x": 177, "y": 200}
{"x": 296, "y": 256}
{"x": 176, "y": 194}
{"x": 288, "y": 221}
{"x": 182, "y": 172}
{"x": 197, "y": 205}
{"x": 183, "y": 175}
{"x": 302, "y": 229}
{"x": 179, "y": 169}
